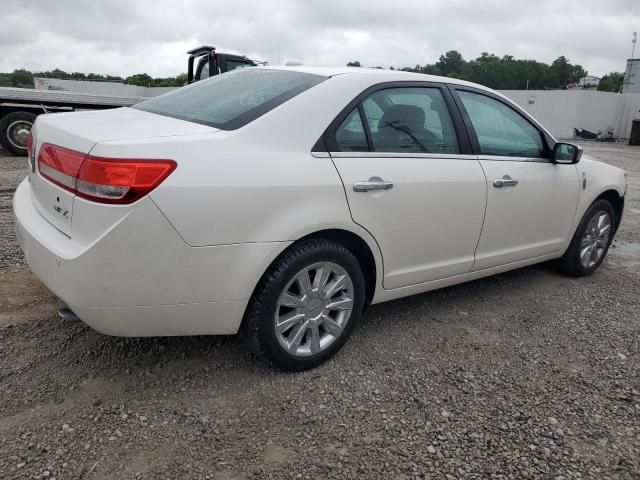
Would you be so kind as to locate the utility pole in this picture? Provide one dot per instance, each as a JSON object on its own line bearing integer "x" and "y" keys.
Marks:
{"x": 630, "y": 62}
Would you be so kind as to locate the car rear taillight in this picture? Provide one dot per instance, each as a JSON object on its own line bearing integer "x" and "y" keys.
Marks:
{"x": 60, "y": 165}
{"x": 104, "y": 180}
{"x": 120, "y": 181}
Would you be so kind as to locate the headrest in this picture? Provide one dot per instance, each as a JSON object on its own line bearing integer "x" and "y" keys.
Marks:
{"x": 407, "y": 116}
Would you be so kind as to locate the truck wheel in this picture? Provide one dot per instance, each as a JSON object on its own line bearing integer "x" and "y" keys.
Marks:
{"x": 14, "y": 130}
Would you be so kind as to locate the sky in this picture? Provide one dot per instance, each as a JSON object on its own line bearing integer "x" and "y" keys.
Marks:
{"x": 123, "y": 37}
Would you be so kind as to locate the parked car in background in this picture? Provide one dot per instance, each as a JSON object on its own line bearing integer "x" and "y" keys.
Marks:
{"x": 281, "y": 201}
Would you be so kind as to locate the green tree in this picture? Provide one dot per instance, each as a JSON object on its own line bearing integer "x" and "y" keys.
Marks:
{"x": 451, "y": 63}
{"x": 354, "y": 64}
{"x": 563, "y": 73}
{"x": 140, "y": 79}
{"x": 611, "y": 82}
{"x": 180, "y": 80}
{"x": 21, "y": 78}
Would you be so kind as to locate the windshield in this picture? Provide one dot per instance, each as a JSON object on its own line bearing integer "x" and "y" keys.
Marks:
{"x": 233, "y": 99}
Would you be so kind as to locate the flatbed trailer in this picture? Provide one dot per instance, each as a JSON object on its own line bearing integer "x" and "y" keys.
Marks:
{"x": 19, "y": 108}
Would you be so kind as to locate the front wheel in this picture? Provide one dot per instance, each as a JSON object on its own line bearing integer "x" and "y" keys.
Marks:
{"x": 306, "y": 306}
{"x": 591, "y": 240}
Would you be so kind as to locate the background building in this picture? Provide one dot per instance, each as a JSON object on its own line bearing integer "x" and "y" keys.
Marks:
{"x": 631, "y": 83}
{"x": 589, "y": 81}
{"x": 98, "y": 88}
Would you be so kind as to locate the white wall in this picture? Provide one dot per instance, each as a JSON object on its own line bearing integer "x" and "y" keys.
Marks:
{"x": 98, "y": 88}
{"x": 561, "y": 111}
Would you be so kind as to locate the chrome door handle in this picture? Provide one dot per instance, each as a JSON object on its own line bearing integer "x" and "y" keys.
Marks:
{"x": 505, "y": 181}
{"x": 372, "y": 184}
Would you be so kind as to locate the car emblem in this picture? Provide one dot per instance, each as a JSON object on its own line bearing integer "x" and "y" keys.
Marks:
{"x": 64, "y": 213}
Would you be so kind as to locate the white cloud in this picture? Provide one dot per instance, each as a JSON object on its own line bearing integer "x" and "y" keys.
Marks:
{"x": 125, "y": 37}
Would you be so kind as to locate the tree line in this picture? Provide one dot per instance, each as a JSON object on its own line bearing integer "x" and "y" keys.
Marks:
{"x": 502, "y": 73}
{"x": 24, "y": 78}
{"x": 509, "y": 73}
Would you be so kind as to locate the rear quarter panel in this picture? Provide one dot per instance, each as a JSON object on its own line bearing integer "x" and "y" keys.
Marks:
{"x": 225, "y": 193}
{"x": 259, "y": 183}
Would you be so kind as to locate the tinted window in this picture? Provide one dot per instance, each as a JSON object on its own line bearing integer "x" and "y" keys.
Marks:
{"x": 204, "y": 71}
{"x": 233, "y": 64}
{"x": 350, "y": 134}
{"x": 500, "y": 129}
{"x": 410, "y": 120}
{"x": 233, "y": 99}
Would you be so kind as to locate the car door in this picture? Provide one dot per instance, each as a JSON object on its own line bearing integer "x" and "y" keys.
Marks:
{"x": 404, "y": 158}
{"x": 531, "y": 201}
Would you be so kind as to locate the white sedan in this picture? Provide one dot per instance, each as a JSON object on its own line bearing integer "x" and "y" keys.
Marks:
{"x": 281, "y": 201}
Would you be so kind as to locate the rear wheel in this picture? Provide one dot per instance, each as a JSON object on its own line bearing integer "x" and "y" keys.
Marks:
{"x": 306, "y": 305}
{"x": 14, "y": 131}
{"x": 591, "y": 241}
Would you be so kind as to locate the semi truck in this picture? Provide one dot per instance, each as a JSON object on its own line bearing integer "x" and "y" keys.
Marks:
{"x": 19, "y": 107}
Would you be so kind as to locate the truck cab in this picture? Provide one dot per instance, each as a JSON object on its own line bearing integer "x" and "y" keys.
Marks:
{"x": 205, "y": 62}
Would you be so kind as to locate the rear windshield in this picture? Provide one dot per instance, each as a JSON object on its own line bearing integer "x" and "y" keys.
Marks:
{"x": 233, "y": 99}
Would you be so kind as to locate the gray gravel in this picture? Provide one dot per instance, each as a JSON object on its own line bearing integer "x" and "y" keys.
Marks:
{"x": 529, "y": 374}
{"x": 12, "y": 171}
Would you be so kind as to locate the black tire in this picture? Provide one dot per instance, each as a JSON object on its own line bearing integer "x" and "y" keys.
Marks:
{"x": 7, "y": 140}
{"x": 259, "y": 321}
{"x": 570, "y": 262}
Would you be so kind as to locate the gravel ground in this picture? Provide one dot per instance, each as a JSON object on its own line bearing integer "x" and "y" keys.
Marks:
{"x": 529, "y": 374}
{"x": 12, "y": 171}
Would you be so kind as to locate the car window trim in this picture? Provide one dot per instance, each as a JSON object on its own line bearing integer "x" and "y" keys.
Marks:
{"x": 459, "y": 156}
{"x": 327, "y": 142}
{"x": 365, "y": 126}
{"x": 548, "y": 140}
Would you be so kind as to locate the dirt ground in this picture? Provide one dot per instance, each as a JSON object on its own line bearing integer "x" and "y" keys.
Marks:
{"x": 528, "y": 374}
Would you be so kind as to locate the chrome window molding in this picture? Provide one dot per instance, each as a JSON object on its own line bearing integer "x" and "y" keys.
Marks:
{"x": 452, "y": 156}
{"x": 501, "y": 158}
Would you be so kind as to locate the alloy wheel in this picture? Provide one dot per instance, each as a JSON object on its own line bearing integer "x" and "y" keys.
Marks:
{"x": 595, "y": 239}
{"x": 313, "y": 309}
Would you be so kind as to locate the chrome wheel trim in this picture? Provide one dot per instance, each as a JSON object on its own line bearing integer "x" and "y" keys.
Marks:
{"x": 18, "y": 132}
{"x": 595, "y": 239}
{"x": 313, "y": 309}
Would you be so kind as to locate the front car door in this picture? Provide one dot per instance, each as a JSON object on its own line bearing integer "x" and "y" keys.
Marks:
{"x": 531, "y": 201}
{"x": 410, "y": 179}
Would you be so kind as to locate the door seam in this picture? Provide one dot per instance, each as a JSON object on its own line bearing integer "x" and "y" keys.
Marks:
{"x": 484, "y": 217}
{"x": 346, "y": 198}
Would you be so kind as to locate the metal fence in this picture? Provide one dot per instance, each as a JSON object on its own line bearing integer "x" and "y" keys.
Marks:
{"x": 563, "y": 110}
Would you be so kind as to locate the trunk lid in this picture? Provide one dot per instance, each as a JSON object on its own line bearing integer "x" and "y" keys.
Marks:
{"x": 80, "y": 132}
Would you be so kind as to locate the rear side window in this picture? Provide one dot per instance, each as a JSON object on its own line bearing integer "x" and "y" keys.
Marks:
{"x": 401, "y": 120}
{"x": 233, "y": 99}
{"x": 500, "y": 129}
{"x": 350, "y": 135}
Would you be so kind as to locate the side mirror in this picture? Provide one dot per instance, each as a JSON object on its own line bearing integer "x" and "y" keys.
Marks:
{"x": 566, "y": 153}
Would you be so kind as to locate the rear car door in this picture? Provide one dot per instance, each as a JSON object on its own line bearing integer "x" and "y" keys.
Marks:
{"x": 410, "y": 180}
{"x": 531, "y": 201}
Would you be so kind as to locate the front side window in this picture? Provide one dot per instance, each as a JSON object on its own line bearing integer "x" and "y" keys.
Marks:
{"x": 500, "y": 129}
{"x": 231, "y": 100}
{"x": 410, "y": 120}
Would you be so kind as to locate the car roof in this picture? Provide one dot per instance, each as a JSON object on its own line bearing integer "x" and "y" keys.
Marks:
{"x": 376, "y": 74}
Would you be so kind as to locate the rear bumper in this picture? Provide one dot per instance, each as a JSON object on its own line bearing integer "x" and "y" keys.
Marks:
{"x": 139, "y": 278}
